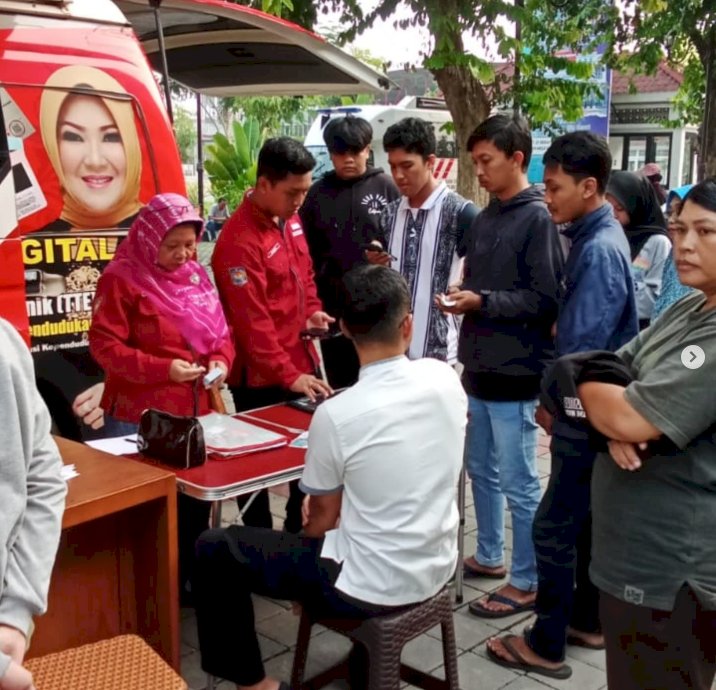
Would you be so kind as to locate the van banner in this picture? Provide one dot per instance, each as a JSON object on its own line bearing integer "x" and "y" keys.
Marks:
{"x": 61, "y": 274}
{"x": 83, "y": 135}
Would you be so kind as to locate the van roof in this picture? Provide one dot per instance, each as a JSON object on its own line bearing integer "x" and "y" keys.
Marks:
{"x": 90, "y": 10}
{"x": 224, "y": 50}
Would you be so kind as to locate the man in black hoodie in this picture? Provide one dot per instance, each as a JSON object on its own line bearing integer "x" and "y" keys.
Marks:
{"x": 340, "y": 216}
{"x": 509, "y": 301}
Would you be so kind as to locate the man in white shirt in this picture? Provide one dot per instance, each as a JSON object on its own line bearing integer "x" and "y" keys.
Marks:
{"x": 372, "y": 461}
{"x": 424, "y": 234}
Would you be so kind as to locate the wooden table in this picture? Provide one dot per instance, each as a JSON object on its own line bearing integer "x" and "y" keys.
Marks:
{"x": 117, "y": 565}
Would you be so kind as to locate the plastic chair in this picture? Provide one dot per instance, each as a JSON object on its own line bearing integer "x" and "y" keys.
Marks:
{"x": 384, "y": 638}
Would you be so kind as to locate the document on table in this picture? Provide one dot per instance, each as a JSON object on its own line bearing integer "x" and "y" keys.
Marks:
{"x": 68, "y": 471}
{"x": 227, "y": 436}
{"x": 117, "y": 445}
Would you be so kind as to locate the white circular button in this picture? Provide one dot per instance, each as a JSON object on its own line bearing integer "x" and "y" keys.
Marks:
{"x": 692, "y": 357}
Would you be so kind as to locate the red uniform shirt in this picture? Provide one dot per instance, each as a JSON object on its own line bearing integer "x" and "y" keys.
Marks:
{"x": 265, "y": 280}
{"x": 135, "y": 344}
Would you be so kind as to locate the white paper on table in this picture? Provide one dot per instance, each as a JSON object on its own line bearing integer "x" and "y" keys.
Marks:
{"x": 117, "y": 445}
{"x": 68, "y": 471}
{"x": 301, "y": 441}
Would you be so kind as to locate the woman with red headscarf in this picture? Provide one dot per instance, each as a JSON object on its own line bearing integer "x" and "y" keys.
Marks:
{"x": 157, "y": 327}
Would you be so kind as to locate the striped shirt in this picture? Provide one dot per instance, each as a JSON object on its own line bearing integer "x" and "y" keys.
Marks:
{"x": 425, "y": 242}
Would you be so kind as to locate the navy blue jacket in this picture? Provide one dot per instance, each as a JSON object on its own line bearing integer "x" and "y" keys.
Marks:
{"x": 514, "y": 260}
{"x": 598, "y": 306}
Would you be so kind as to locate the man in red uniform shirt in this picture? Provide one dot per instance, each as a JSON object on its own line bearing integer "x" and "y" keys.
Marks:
{"x": 264, "y": 275}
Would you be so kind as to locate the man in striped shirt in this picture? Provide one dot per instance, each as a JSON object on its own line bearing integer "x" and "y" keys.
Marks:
{"x": 423, "y": 235}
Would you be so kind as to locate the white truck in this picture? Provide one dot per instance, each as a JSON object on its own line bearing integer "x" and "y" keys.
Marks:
{"x": 381, "y": 117}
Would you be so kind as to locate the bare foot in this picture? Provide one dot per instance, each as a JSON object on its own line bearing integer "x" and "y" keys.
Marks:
{"x": 523, "y": 649}
{"x": 509, "y": 592}
{"x": 475, "y": 569}
{"x": 589, "y": 639}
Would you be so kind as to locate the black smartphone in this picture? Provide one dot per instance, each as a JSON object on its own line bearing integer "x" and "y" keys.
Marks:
{"x": 320, "y": 333}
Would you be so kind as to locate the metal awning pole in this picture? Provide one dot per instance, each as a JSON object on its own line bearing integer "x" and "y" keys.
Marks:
{"x": 162, "y": 49}
{"x": 199, "y": 155}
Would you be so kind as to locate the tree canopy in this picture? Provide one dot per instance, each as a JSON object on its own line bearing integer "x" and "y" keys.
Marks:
{"x": 683, "y": 33}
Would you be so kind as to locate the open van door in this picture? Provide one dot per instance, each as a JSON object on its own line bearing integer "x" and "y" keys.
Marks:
{"x": 219, "y": 49}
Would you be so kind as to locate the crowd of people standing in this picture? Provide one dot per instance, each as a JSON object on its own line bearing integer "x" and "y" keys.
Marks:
{"x": 457, "y": 330}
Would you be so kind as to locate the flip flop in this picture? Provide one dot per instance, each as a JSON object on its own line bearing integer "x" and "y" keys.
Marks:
{"x": 477, "y": 609}
{"x": 572, "y": 639}
{"x": 519, "y": 663}
{"x": 469, "y": 573}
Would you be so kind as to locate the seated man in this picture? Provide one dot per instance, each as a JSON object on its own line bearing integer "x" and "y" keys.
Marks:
{"x": 32, "y": 496}
{"x": 385, "y": 456}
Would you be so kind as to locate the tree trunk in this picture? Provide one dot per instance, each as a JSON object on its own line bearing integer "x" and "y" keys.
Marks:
{"x": 468, "y": 104}
{"x": 708, "y": 128}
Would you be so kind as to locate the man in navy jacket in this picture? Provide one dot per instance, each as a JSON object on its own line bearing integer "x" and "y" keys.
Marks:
{"x": 597, "y": 312}
{"x": 509, "y": 299}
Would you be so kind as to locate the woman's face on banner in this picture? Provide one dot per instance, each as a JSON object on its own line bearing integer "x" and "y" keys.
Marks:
{"x": 94, "y": 164}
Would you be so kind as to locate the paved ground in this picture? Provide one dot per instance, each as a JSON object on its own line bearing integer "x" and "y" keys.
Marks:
{"x": 278, "y": 626}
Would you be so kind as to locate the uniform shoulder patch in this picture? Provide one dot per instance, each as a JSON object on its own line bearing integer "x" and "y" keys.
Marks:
{"x": 238, "y": 276}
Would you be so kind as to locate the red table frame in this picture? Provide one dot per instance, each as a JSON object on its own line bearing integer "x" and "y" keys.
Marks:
{"x": 220, "y": 479}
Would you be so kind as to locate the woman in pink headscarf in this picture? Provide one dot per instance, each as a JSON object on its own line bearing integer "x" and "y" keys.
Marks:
{"x": 157, "y": 324}
{"x": 157, "y": 328}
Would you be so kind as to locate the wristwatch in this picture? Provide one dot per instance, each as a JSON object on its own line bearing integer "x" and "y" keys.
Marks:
{"x": 485, "y": 294}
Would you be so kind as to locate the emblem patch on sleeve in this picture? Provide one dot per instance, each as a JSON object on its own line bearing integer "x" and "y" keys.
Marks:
{"x": 238, "y": 276}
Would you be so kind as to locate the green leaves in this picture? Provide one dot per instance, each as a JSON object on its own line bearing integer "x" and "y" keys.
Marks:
{"x": 232, "y": 165}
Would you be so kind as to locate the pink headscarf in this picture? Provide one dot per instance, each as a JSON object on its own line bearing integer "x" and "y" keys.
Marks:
{"x": 185, "y": 295}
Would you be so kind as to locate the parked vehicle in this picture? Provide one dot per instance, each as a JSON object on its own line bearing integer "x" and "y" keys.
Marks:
{"x": 381, "y": 117}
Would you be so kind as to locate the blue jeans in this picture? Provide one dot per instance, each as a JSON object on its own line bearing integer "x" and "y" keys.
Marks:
{"x": 501, "y": 459}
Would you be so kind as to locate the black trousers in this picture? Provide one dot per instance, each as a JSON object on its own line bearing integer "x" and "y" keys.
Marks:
{"x": 258, "y": 513}
{"x": 563, "y": 545}
{"x": 235, "y": 562}
{"x": 192, "y": 519}
{"x": 649, "y": 649}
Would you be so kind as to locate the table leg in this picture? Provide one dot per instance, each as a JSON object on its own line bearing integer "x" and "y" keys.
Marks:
{"x": 215, "y": 519}
{"x": 460, "y": 536}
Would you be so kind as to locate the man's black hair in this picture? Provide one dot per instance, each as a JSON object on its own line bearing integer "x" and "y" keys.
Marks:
{"x": 347, "y": 134}
{"x": 281, "y": 157}
{"x": 375, "y": 301}
{"x": 581, "y": 155}
{"x": 412, "y": 135}
{"x": 508, "y": 133}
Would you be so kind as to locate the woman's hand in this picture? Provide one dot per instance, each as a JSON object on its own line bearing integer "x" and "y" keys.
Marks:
{"x": 544, "y": 419}
{"x": 218, "y": 364}
{"x": 625, "y": 454}
{"x": 86, "y": 406}
{"x": 182, "y": 371}
{"x": 16, "y": 677}
{"x": 320, "y": 320}
{"x": 12, "y": 643}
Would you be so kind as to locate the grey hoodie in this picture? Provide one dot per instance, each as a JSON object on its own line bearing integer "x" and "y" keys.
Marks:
{"x": 32, "y": 492}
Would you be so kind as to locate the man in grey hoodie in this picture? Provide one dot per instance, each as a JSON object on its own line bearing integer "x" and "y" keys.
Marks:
{"x": 32, "y": 496}
{"x": 509, "y": 298}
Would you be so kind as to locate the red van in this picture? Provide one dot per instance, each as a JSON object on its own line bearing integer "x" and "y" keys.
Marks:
{"x": 86, "y": 140}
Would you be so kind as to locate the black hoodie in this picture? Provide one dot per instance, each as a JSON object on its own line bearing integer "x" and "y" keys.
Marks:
{"x": 514, "y": 260}
{"x": 339, "y": 217}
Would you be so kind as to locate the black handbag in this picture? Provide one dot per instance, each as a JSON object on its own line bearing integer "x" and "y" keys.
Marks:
{"x": 171, "y": 439}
